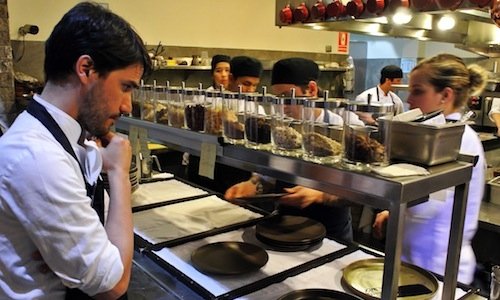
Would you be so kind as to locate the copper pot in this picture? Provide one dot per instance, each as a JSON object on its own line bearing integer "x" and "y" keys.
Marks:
{"x": 318, "y": 10}
{"x": 449, "y": 4}
{"x": 300, "y": 13}
{"x": 355, "y": 8}
{"x": 480, "y": 3}
{"x": 495, "y": 13}
{"x": 336, "y": 9}
{"x": 286, "y": 15}
{"x": 375, "y": 6}
{"x": 395, "y": 4}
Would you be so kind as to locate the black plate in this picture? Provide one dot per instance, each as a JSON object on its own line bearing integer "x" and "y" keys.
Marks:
{"x": 290, "y": 230}
{"x": 317, "y": 294}
{"x": 287, "y": 247}
{"x": 229, "y": 258}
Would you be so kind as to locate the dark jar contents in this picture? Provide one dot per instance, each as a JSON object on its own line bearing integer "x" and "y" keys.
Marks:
{"x": 363, "y": 149}
{"x": 161, "y": 114}
{"x": 136, "y": 109}
{"x": 234, "y": 129}
{"x": 195, "y": 117}
{"x": 258, "y": 130}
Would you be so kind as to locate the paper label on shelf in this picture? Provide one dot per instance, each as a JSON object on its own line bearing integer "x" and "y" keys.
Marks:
{"x": 207, "y": 160}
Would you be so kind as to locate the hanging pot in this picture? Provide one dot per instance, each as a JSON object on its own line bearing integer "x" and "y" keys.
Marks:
{"x": 375, "y": 6}
{"x": 318, "y": 10}
{"x": 301, "y": 13}
{"x": 495, "y": 13}
{"x": 480, "y": 3}
{"x": 449, "y": 4}
{"x": 286, "y": 15}
{"x": 336, "y": 9}
{"x": 395, "y": 4}
{"x": 355, "y": 8}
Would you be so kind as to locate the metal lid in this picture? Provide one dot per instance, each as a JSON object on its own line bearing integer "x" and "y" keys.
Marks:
{"x": 331, "y": 103}
{"x": 291, "y": 101}
{"x": 213, "y": 94}
{"x": 374, "y": 107}
{"x": 161, "y": 88}
{"x": 193, "y": 91}
{"x": 256, "y": 97}
{"x": 175, "y": 90}
{"x": 230, "y": 95}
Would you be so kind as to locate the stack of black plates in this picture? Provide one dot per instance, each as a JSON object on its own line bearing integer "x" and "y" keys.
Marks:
{"x": 290, "y": 233}
{"x": 134, "y": 180}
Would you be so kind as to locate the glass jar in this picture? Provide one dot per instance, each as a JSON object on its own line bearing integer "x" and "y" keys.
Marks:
{"x": 147, "y": 103}
{"x": 194, "y": 109}
{"x": 176, "y": 107}
{"x": 161, "y": 104}
{"x": 323, "y": 134}
{"x": 233, "y": 117}
{"x": 136, "y": 102}
{"x": 258, "y": 113}
{"x": 286, "y": 127}
{"x": 213, "y": 112}
{"x": 366, "y": 135}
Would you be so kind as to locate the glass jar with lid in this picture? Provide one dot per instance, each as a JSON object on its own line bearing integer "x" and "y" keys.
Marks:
{"x": 213, "y": 112}
{"x": 366, "y": 135}
{"x": 233, "y": 117}
{"x": 161, "y": 104}
{"x": 176, "y": 107}
{"x": 194, "y": 109}
{"x": 323, "y": 130}
{"x": 286, "y": 127}
{"x": 258, "y": 114}
{"x": 147, "y": 103}
{"x": 136, "y": 101}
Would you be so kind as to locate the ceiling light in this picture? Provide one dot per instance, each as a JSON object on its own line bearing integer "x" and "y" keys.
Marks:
{"x": 402, "y": 16}
{"x": 446, "y": 22}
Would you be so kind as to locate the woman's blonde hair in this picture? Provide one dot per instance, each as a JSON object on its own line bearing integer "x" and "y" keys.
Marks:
{"x": 447, "y": 70}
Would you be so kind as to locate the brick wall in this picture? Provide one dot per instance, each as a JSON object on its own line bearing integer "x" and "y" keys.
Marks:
{"x": 7, "y": 102}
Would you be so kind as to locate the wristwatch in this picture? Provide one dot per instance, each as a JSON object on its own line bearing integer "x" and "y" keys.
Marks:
{"x": 259, "y": 187}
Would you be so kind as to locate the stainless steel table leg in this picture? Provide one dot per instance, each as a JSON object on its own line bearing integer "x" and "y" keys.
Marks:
{"x": 393, "y": 246}
{"x": 455, "y": 241}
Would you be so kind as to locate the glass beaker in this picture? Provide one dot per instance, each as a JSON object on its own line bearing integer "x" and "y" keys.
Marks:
{"x": 194, "y": 109}
{"x": 176, "y": 107}
{"x": 258, "y": 112}
{"x": 323, "y": 130}
{"x": 213, "y": 112}
{"x": 286, "y": 127}
{"x": 366, "y": 135}
{"x": 161, "y": 104}
{"x": 233, "y": 117}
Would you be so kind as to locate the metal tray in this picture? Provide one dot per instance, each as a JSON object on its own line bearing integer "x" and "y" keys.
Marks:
{"x": 321, "y": 294}
{"x": 425, "y": 144}
{"x": 364, "y": 278}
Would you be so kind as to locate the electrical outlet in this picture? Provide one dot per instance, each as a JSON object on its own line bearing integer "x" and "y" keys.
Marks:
{"x": 328, "y": 48}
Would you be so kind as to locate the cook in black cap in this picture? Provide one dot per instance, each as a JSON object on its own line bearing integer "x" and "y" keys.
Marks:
{"x": 220, "y": 71}
{"x": 383, "y": 92}
{"x": 298, "y": 73}
{"x": 301, "y": 74}
{"x": 245, "y": 72}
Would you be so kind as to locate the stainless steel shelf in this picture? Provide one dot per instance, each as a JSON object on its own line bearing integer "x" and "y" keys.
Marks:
{"x": 394, "y": 194}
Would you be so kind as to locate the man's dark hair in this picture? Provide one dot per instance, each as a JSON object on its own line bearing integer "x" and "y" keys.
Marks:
{"x": 245, "y": 66}
{"x": 390, "y": 72}
{"x": 219, "y": 58}
{"x": 90, "y": 29}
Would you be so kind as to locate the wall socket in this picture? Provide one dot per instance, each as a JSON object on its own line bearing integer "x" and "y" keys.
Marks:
{"x": 328, "y": 48}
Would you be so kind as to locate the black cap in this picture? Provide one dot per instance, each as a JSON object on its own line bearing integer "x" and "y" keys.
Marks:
{"x": 391, "y": 72}
{"x": 298, "y": 71}
{"x": 219, "y": 58}
{"x": 245, "y": 66}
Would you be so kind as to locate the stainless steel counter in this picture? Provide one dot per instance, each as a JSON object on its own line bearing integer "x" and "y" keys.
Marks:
{"x": 387, "y": 193}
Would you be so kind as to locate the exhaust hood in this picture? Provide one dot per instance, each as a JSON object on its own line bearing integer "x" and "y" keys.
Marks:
{"x": 474, "y": 29}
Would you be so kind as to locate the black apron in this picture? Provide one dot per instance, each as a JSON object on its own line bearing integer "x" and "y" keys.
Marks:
{"x": 95, "y": 192}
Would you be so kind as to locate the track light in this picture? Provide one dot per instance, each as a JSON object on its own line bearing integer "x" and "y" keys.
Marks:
{"x": 28, "y": 28}
{"x": 446, "y": 22}
{"x": 402, "y": 16}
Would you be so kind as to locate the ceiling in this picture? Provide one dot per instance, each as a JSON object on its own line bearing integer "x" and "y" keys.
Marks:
{"x": 474, "y": 29}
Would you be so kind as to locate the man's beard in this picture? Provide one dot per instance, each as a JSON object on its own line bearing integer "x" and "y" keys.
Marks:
{"x": 93, "y": 112}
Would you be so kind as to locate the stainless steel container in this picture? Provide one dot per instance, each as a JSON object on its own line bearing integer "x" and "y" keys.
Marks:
{"x": 495, "y": 190}
{"x": 425, "y": 144}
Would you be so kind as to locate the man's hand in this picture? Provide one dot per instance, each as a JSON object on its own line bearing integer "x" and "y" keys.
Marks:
{"x": 242, "y": 189}
{"x": 379, "y": 225}
{"x": 116, "y": 153}
{"x": 302, "y": 197}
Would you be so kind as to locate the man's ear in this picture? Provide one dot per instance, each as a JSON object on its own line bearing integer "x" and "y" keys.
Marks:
{"x": 84, "y": 65}
{"x": 312, "y": 87}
